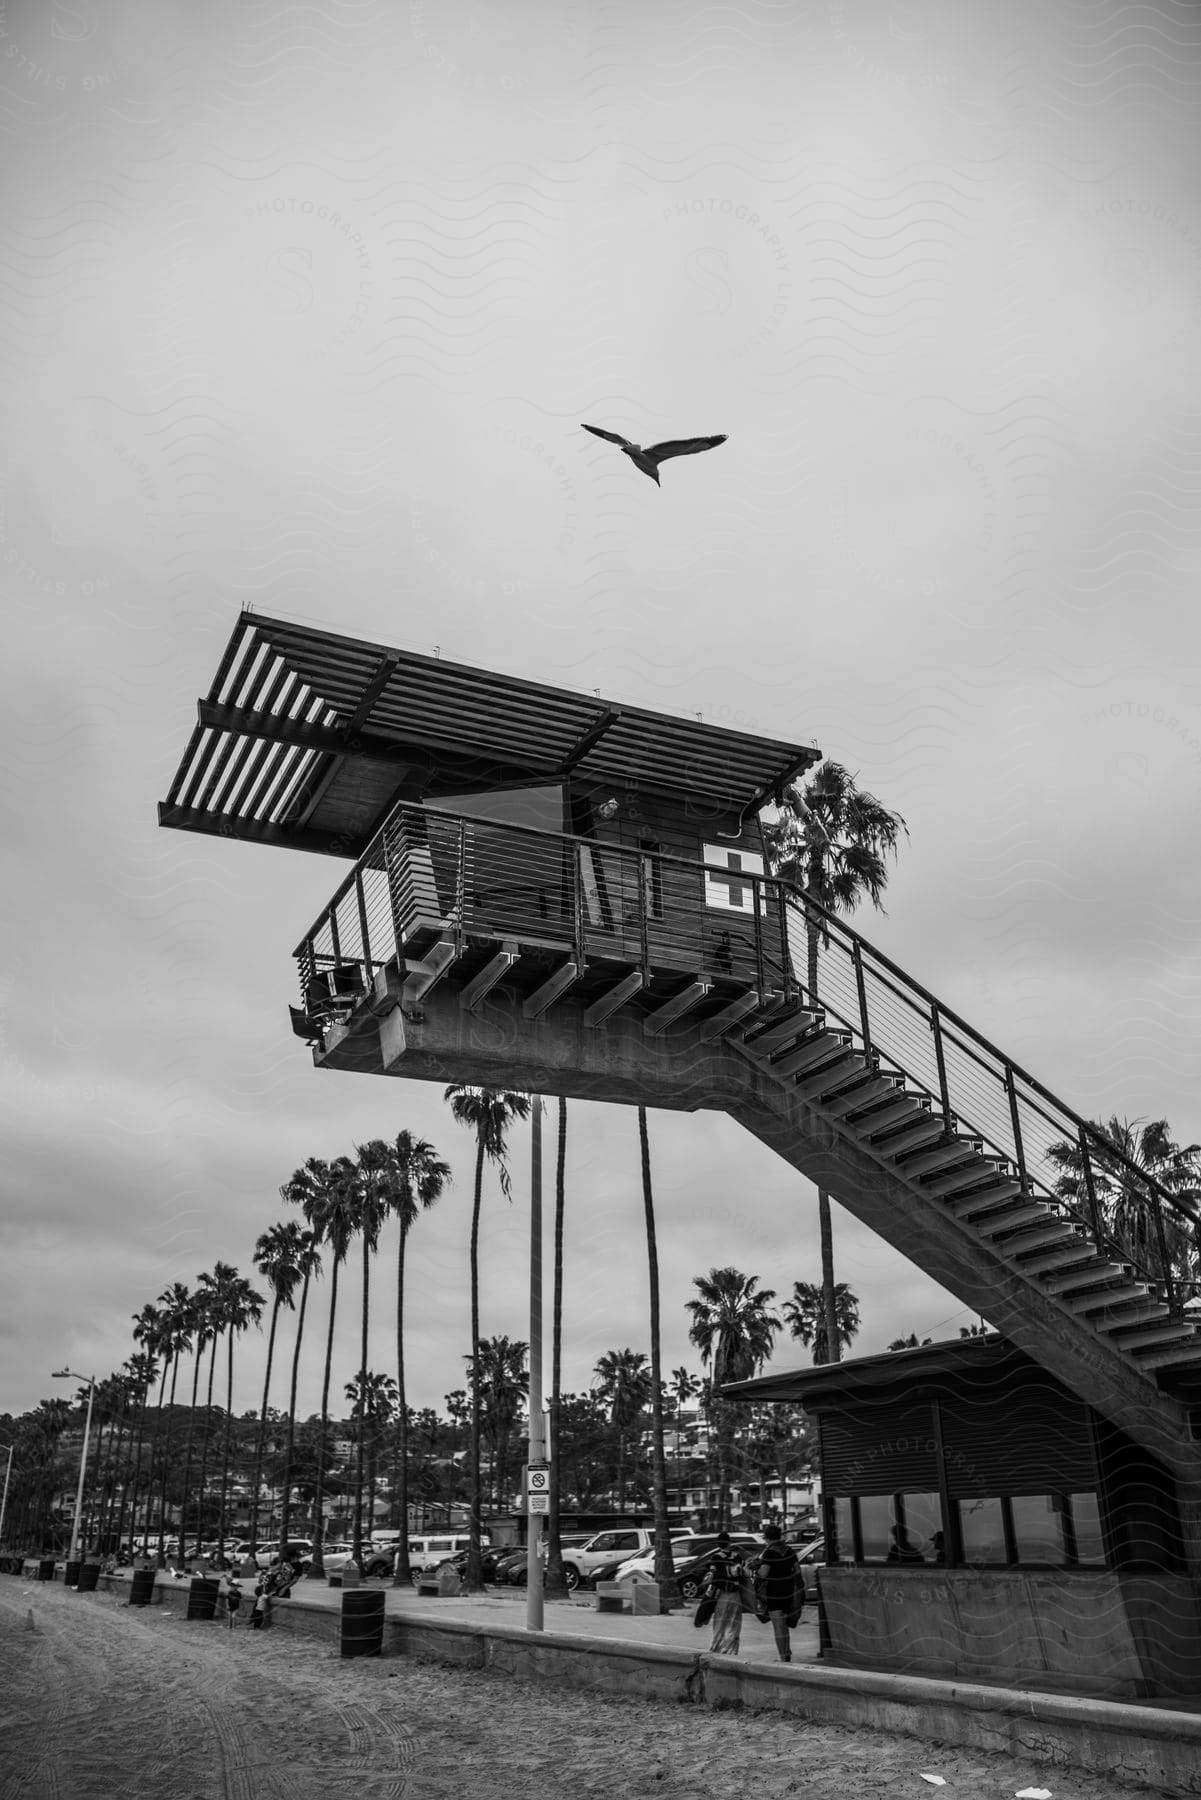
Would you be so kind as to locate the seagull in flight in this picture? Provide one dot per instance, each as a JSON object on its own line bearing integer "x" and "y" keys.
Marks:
{"x": 648, "y": 460}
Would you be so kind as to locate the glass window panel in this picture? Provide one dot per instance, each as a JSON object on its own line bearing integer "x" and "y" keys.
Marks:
{"x": 843, "y": 1547}
{"x": 1038, "y": 1528}
{"x": 1086, "y": 1523}
{"x": 983, "y": 1530}
{"x": 875, "y": 1526}
{"x": 917, "y": 1525}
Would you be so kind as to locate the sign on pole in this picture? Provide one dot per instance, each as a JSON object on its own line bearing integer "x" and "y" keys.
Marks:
{"x": 539, "y": 1503}
{"x": 537, "y": 1481}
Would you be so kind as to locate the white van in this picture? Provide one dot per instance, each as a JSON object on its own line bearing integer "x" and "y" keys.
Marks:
{"x": 425, "y": 1553}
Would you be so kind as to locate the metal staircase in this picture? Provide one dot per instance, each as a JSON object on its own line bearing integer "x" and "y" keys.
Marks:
{"x": 466, "y": 918}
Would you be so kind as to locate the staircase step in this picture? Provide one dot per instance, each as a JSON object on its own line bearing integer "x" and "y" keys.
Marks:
{"x": 857, "y": 1098}
{"x": 1173, "y": 1331}
{"x": 1169, "y": 1355}
{"x": 927, "y": 1162}
{"x": 995, "y": 1225}
{"x": 926, "y": 1130}
{"x": 956, "y": 1184}
{"x": 483, "y": 983}
{"x": 892, "y": 1111}
{"x": 1137, "y": 1293}
{"x": 670, "y": 1010}
{"x": 778, "y": 1032}
{"x": 1090, "y": 1274}
{"x": 1151, "y": 1312}
{"x": 984, "y": 1200}
{"x": 1081, "y": 1250}
{"x": 552, "y": 989}
{"x": 720, "y": 1022}
{"x": 829, "y": 1081}
{"x": 1042, "y": 1237}
{"x": 828, "y": 1047}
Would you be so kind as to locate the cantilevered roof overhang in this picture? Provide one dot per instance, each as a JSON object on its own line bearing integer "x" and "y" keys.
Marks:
{"x": 307, "y": 739}
{"x": 986, "y": 1358}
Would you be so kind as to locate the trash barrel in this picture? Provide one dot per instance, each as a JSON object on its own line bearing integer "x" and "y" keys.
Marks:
{"x": 141, "y": 1588}
{"x": 46, "y": 1569}
{"x": 89, "y": 1575}
{"x": 362, "y": 1622}
{"x": 202, "y": 1598}
{"x": 71, "y": 1574}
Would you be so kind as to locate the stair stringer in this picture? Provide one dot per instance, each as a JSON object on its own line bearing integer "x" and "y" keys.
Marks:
{"x": 679, "y": 1069}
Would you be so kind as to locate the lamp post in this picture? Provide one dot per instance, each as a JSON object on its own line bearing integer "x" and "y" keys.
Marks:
{"x": 4, "y": 1497}
{"x": 70, "y": 1375}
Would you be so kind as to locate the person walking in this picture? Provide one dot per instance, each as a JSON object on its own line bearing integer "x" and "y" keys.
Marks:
{"x": 777, "y": 1583}
{"x": 726, "y": 1575}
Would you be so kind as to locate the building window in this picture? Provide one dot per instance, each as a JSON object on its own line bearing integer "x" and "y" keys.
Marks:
{"x": 652, "y": 878}
{"x": 917, "y": 1534}
{"x": 843, "y": 1547}
{"x": 982, "y": 1532}
{"x": 1038, "y": 1534}
{"x": 1082, "y": 1523}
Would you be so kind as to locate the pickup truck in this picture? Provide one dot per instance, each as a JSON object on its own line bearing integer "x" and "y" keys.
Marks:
{"x": 580, "y": 1561}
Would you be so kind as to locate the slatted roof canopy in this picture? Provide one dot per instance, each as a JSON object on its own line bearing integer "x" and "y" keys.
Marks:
{"x": 307, "y": 739}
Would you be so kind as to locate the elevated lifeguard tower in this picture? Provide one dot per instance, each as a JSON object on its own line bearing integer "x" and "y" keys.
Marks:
{"x": 569, "y": 895}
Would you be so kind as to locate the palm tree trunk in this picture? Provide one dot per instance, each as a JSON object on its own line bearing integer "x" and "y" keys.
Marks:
{"x": 669, "y": 1591}
{"x": 229, "y": 1419}
{"x": 474, "y": 1580}
{"x": 554, "y": 1583}
{"x": 285, "y": 1504}
{"x": 187, "y": 1466}
{"x": 204, "y": 1451}
{"x": 261, "y": 1435}
{"x": 824, "y": 1223}
{"x": 403, "y": 1575}
{"x": 165, "y": 1450}
{"x": 317, "y": 1564}
{"x": 358, "y": 1478}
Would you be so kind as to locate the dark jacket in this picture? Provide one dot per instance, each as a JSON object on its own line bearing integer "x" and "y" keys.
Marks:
{"x": 776, "y": 1577}
{"x": 726, "y": 1571}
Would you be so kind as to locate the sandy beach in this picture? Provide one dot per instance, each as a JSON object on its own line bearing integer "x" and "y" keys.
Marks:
{"x": 103, "y": 1702}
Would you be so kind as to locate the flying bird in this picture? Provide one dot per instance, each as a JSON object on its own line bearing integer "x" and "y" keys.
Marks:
{"x": 648, "y": 460}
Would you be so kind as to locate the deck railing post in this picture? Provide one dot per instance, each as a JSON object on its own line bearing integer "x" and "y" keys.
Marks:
{"x": 1090, "y": 1189}
{"x": 944, "y": 1092}
{"x": 578, "y": 853}
{"x": 861, "y": 989}
{"x": 460, "y": 913}
{"x": 758, "y": 902}
{"x": 335, "y": 944}
{"x": 785, "y": 946}
{"x": 1016, "y": 1124}
{"x": 364, "y": 934}
{"x": 646, "y": 877}
{"x": 1165, "y": 1261}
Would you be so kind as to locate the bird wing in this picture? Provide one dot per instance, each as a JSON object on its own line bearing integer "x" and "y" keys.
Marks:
{"x": 683, "y": 447}
{"x": 611, "y": 436}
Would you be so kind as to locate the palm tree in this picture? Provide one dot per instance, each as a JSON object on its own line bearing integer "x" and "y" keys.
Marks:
{"x": 325, "y": 1192}
{"x": 685, "y": 1386}
{"x": 276, "y": 1257}
{"x": 420, "y": 1177}
{"x": 504, "y": 1381}
{"x": 1126, "y": 1206}
{"x": 373, "y": 1404}
{"x": 807, "y": 1317}
{"x": 241, "y": 1306}
{"x": 734, "y": 1329}
{"x": 488, "y": 1112}
{"x": 834, "y": 841}
{"x": 176, "y": 1325}
{"x": 665, "y": 1571}
{"x": 202, "y": 1332}
{"x": 214, "y": 1295}
{"x": 554, "y": 1581}
{"x": 142, "y": 1370}
{"x": 376, "y": 1194}
{"x": 623, "y": 1382}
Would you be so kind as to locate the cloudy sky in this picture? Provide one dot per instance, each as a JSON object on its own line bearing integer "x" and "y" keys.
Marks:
{"x": 301, "y": 308}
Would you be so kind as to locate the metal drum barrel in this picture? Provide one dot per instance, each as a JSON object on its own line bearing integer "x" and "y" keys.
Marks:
{"x": 141, "y": 1588}
{"x": 71, "y": 1574}
{"x": 89, "y": 1575}
{"x": 362, "y": 1622}
{"x": 46, "y": 1569}
{"x": 202, "y": 1598}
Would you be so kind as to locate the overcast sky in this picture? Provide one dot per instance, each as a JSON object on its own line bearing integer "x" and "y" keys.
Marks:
{"x": 302, "y": 308}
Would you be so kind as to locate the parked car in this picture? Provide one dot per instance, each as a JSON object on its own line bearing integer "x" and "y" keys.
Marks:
{"x": 811, "y": 1559}
{"x": 336, "y": 1556}
{"x": 605, "y": 1549}
{"x": 684, "y": 1549}
{"x": 425, "y": 1553}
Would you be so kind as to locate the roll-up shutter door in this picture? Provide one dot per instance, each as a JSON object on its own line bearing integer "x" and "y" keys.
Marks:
{"x": 879, "y": 1450}
{"x": 1040, "y": 1444}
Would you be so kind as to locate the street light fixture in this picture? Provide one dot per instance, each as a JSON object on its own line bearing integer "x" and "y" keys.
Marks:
{"x": 70, "y": 1375}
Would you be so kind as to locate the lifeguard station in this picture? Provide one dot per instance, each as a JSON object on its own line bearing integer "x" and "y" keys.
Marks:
{"x": 560, "y": 893}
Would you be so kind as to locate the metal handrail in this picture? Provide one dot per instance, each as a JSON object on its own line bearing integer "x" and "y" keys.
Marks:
{"x": 1011, "y": 1089}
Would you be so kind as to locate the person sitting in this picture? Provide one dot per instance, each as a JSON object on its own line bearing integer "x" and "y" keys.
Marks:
{"x": 901, "y": 1549}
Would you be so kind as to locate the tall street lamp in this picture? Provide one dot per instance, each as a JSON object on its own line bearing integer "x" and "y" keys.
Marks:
{"x": 4, "y": 1497}
{"x": 70, "y": 1375}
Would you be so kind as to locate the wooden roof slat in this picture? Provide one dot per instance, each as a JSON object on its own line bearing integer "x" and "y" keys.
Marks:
{"x": 292, "y": 707}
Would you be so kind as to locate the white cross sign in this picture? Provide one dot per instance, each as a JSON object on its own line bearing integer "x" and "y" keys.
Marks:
{"x": 727, "y": 886}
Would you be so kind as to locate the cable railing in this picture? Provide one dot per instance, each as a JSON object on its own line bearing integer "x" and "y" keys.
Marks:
{"x": 430, "y": 875}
